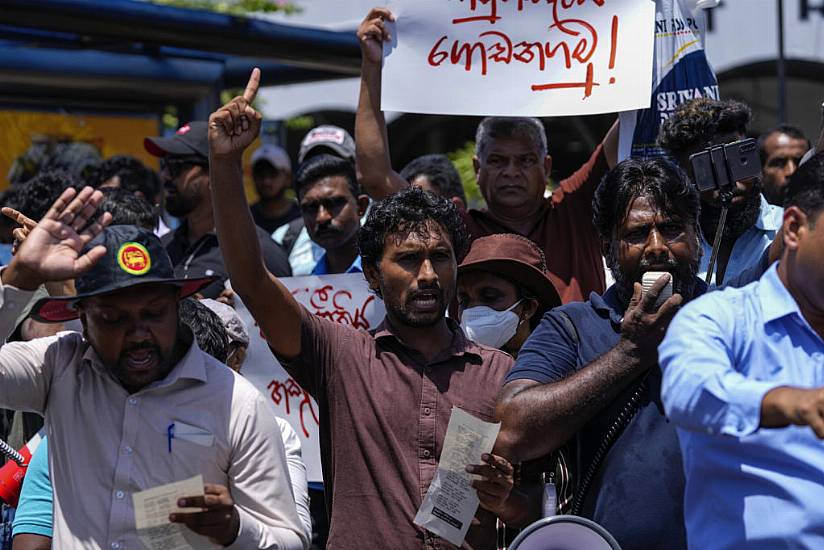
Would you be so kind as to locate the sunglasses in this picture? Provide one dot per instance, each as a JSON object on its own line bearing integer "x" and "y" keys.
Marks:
{"x": 175, "y": 167}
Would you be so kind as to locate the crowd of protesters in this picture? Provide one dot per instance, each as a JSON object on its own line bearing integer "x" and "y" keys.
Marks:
{"x": 686, "y": 413}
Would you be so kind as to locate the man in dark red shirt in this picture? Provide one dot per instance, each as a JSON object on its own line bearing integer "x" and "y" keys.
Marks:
{"x": 512, "y": 167}
{"x": 385, "y": 396}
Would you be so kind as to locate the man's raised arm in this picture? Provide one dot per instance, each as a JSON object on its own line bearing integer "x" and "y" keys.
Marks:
{"x": 372, "y": 144}
{"x": 232, "y": 128}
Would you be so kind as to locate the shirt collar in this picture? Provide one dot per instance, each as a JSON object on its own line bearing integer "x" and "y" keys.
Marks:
{"x": 192, "y": 365}
{"x": 460, "y": 345}
{"x": 611, "y": 304}
{"x": 322, "y": 268}
{"x": 770, "y": 217}
{"x": 776, "y": 301}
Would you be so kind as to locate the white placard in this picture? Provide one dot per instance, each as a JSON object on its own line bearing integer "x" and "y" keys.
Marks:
{"x": 519, "y": 57}
{"x": 341, "y": 298}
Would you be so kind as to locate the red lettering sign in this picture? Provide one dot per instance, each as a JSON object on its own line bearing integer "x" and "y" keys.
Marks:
{"x": 282, "y": 393}
{"x": 571, "y": 42}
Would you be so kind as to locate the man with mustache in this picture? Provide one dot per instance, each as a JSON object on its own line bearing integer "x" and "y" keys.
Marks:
{"x": 781, "y": 150}
{"x": 588, "y": 362}
{"x": 512, "y": 168}
{"x": 384, "y": 396}
{"x": 193, "y": 246}
{"x": 113, "y": 396}
{"x": 752, "y": 223}
{"x": 331, "y": 205}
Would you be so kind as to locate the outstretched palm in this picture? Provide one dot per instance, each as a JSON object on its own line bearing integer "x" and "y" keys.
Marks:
{"x": 52, "y": 250}
{"x": 234, "y": 127}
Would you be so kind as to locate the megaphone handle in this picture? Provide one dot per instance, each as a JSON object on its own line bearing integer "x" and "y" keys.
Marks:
{"x": 6, "y": 449}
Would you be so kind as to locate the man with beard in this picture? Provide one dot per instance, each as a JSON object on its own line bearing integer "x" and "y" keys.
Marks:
{"x": 193, "y": 246}
{"x": 752, "y": 223}
{"x": 781, "y": 150}
{"x": 113, "y": 396}
{"x": 332, "y": 206}
{"x": 384, "y": 396}
{"x": 272, "y": 174}
{"x": 587, "y": 363}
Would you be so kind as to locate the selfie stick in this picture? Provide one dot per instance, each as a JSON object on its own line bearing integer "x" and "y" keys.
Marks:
{"x": 726, "y": 200}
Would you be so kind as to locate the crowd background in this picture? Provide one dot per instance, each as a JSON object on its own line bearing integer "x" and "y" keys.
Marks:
{"x": 545, "y": 267}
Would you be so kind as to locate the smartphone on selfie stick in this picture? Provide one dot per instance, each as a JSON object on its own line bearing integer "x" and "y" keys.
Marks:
{"x": 717, "y": 168}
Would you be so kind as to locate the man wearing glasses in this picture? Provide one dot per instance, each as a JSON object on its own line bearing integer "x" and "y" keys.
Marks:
{"x": 193, "y": 246}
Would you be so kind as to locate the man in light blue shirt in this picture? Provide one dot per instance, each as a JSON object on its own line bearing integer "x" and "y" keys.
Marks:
{"x": 331, "y": 205}
{"x": 752, "y": 222}
{"x": 743, "y": 380}
{"x": 749, "y": 247}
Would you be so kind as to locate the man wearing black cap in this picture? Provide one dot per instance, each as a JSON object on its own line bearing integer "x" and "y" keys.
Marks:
{"x": 133, "y": 403}
{"x": 193, "y": 246}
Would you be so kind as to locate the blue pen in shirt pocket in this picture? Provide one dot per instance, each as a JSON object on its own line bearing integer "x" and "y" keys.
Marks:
{"x": 190, "y": 433}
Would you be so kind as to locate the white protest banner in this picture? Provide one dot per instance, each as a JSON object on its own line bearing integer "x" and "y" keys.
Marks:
{"x": 519, "y": 57}
{"x": 341, "y": 298}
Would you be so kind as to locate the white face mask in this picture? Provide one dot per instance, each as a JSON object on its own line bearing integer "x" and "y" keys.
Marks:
{"x": 490, "y": 327}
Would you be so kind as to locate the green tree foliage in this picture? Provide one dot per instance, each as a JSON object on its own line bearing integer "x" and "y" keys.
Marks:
{"x": 462, "y": 159}
{"x": 234, "y": 7}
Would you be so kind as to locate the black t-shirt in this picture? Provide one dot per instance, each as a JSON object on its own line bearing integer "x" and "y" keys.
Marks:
{"x": 270, "y": 224}
{"x": 204, "y": 259}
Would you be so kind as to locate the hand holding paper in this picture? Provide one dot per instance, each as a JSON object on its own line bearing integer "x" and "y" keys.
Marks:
{"x": 372, "y": 33}
{"x": 217, "y": 518}
{"x": 495, "y": 482}
{"x": 451, "y": 501}
{"x": 151, "y": 513}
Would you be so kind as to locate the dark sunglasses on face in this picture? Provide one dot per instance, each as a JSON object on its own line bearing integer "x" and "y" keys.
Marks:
{"x": 174, "y": 167}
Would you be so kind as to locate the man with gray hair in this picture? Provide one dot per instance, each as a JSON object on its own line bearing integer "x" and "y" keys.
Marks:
{"x": 512, "y": 168}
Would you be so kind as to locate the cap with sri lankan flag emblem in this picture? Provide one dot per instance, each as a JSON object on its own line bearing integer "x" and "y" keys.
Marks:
{"x": 133, "y": 257}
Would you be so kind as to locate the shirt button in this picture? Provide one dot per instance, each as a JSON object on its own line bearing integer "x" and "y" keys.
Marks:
{"x": 132, "y": 401}
{"x": 128, "y": 450}
{"x": 120, "y": 495}
{"x": 425, "y": 453}
{"x": 427, "y": 411}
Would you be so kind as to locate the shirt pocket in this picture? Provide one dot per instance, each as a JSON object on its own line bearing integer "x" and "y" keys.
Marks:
{"x": 476, "y": 408}
{"x": 169, "y": 457}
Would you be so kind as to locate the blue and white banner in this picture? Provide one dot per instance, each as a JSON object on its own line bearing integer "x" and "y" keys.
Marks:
{"x": 680, "y": 73}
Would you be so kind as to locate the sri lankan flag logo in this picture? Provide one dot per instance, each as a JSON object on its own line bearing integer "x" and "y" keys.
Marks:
{"x": 134, "y": 259}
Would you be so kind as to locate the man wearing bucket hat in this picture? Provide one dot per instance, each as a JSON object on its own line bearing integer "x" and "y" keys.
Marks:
{"x": 503, "y": 291}
{"x": 133, "y": 403}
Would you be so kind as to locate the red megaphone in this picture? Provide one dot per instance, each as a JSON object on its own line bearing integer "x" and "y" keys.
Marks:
{"x": 12, "y": 474}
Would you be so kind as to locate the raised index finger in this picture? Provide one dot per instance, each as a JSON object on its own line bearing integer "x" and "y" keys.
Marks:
{"x": 252, "y": 86}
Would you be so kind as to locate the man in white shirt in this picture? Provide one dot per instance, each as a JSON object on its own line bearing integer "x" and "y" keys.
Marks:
{"x": 133, "y": 403}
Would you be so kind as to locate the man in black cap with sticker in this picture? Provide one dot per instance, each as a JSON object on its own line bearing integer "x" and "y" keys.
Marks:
{"x": 193, "y": 247}
{"x": 132, "y": 403}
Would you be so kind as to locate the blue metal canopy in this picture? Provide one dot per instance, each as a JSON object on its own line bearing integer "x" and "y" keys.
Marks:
{"x": 134, "y": 54}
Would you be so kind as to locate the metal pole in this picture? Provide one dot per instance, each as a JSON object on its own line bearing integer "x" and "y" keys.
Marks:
{"x": 781, "y": 68}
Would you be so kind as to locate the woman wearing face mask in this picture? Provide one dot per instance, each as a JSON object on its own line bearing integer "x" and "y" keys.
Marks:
{"x": 503, "y": 291}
